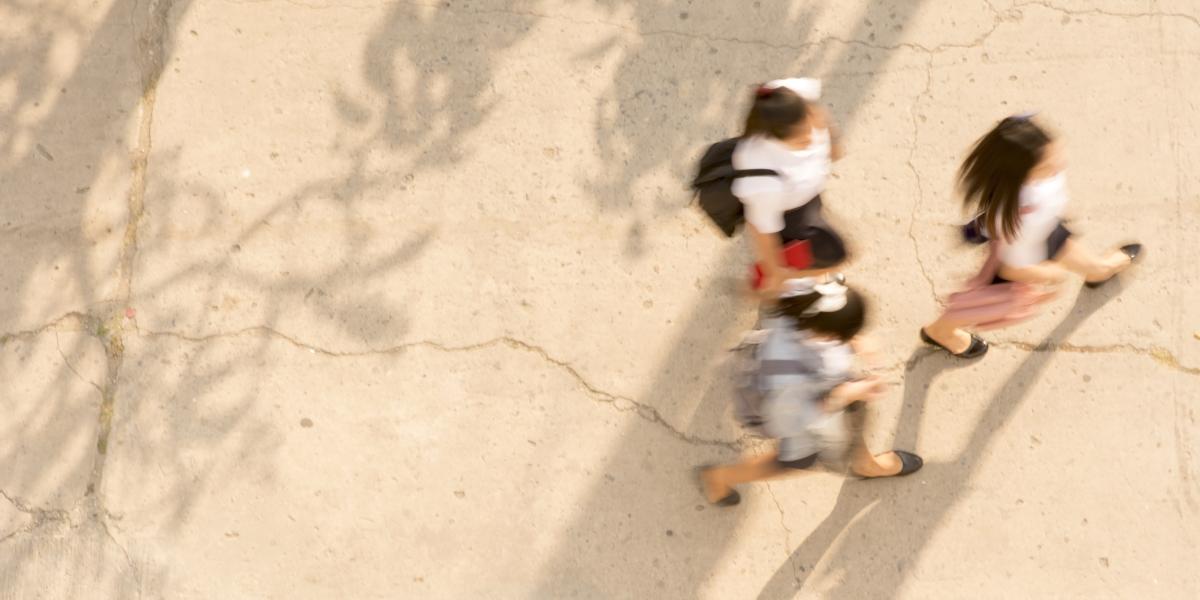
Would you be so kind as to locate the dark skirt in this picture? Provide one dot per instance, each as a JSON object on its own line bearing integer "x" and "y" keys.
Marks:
{"x": 856, "y": 422}
{"x": 1054, "y": 245}
{"x": 809, "y": 224}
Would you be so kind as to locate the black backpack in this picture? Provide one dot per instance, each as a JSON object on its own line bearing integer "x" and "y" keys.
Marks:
{"x": 714, "y": 185}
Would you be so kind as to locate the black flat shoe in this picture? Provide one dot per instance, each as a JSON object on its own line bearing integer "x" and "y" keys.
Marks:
{"x": 733, "y": 498}
{"x": 909, "y": 463}
{"x": 977, "y": 348}
{"x": 1130, "y": 250}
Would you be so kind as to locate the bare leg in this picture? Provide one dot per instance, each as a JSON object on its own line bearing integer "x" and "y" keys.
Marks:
{"x": 1093, "y": 268}
{"x": 719, "y": 481}
{"x": 862, "y": 462}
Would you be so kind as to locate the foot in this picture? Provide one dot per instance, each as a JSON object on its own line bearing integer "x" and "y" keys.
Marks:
{"x": 715, "y": 491}
{"x": 961, "y": 344}
{"x": 892, "y": 464}
{"x": 1121, "y": 259}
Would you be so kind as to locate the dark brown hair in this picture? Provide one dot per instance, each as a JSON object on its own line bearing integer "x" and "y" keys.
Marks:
{"x": 844, "y": 323}
{"x": 992, "y": 175}
{"x": 775, "y": 112}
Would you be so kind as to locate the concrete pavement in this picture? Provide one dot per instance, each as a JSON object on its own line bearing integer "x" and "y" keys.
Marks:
{"x": 307, "y": 299}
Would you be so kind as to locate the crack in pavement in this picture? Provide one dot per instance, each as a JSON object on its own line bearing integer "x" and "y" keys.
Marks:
{"x": 149, "y": 41}
{"x": 787, "y": 536}
{"x": 150, "y": 33}
{"x": 67, "y": 361}
{"x": 621, "y": 403}
{"x": 79, "y": 317}
{"x": 1158, "y": 354}
{"x": 103, "y": 522}
{"x": 38, "y": 516}
{"x": 1193, "y": 19}
{"x": 912, "y": 153}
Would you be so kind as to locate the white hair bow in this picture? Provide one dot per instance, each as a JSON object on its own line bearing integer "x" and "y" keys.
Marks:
{"x": 833, "y": 294}
{"x": 833, "y": 298}
{"x": 809, "y": 89}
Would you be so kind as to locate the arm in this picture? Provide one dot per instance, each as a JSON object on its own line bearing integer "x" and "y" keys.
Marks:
{"x": 1046, "y": 272}
{"x": 769, "y": 250}
{"x": 843, "y": 395}
{"x": 825, "y": 120}
{"x": 866, "y": 350}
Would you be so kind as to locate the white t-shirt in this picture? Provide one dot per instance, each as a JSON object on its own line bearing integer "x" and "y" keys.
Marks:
{"x": 802, "y": 175}
{"x": 1042, "y": 204}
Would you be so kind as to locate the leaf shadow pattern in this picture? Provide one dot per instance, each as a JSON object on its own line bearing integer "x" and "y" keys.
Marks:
{"x": 69, "y": 152}
{"x": 69, "y": 128}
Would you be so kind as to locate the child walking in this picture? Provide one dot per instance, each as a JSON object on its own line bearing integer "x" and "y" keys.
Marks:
{"x": 788, "y": 133}
{"x": 1015, "y": 180}
{"x": 816, "y": 413}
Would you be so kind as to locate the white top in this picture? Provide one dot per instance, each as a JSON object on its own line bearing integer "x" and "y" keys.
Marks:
{"x": 802, "y": 175}
{"x": 1042, "y": 204}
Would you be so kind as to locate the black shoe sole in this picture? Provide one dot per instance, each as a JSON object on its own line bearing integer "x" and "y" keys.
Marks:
{"x": 977, "y": 348}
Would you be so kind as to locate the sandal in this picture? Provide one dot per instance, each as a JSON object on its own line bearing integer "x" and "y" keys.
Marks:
{"x": 1130, "y": 250}
{"x": 977, "y": 348}
{"x": 730, "y": 499}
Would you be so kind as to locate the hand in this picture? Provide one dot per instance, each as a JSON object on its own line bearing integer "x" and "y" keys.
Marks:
{"x": 772, "y": 285}
{"x": 867, "y": 351}
{"x": 868, "y": 388}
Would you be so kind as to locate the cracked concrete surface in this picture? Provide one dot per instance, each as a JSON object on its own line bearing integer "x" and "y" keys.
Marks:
{"x": 358, "y": 311}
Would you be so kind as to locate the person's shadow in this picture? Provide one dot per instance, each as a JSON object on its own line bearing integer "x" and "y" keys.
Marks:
{"x": 900, "y": 516}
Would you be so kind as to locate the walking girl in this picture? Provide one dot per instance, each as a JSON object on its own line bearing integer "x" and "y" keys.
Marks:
{"x": 815, "y": 408}
{"x": 1015, "y": 180}
{"x": 791, "y": 136}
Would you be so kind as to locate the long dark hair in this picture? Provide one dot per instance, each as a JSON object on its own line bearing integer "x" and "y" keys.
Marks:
{"x": 775, "y": 112}
{"x": 992, "y": 175}
{"x": 843, "y": 323}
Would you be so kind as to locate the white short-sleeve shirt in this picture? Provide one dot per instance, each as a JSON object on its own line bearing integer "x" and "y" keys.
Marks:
{"x": 1042, "y": 205}
{"x": 802, "y": 176}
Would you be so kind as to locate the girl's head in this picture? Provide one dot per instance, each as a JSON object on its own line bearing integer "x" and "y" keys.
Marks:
{"x": 777, "y": 112}
{"x": 999, "y": 164}
{"x": 829, "y": 309}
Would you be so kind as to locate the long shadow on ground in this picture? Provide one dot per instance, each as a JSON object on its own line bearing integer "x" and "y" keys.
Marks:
{"x": 886, "y": 524}
{"x": 643, "y": 530}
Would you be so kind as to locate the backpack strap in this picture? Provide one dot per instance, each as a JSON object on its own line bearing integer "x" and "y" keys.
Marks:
{"x": 783, "y": 367}
{"x": 726, "y": 173}
{"x": 754, "y": 173}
